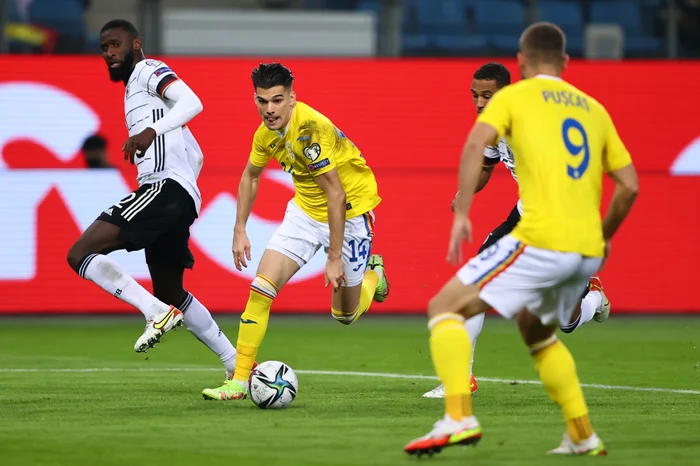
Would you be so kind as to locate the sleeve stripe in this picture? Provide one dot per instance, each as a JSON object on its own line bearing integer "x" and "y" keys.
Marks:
{"x": 165, "y": 83}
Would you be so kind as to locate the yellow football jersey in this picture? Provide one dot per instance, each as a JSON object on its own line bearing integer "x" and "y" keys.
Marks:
{"x": 311, "y": 146}
{"x": 563, "y": 141}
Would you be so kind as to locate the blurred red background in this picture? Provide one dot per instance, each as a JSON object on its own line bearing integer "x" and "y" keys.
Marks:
{"x": 409, "y": 118}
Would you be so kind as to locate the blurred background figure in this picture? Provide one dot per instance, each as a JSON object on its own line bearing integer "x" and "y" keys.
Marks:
{"x": 95, "y": 152}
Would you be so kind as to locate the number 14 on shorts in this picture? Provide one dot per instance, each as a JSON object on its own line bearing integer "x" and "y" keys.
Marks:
{"x": 359, "y": 252}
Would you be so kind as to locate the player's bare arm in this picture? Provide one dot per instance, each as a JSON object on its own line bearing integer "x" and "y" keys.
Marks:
{"x": 484, "y": 178}
{"x": 470, "y": 167}
{"x": 626, "y": 189}
{"x": 187, "y": 106}
{"x": 329, "y": 182}
{"x": 247, "y": 190}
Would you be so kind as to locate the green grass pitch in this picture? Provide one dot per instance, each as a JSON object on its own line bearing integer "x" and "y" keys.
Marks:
{"x": 73, "y": 392}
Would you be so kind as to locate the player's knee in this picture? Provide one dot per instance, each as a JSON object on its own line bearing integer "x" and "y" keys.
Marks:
{"x": 437, "y": 306}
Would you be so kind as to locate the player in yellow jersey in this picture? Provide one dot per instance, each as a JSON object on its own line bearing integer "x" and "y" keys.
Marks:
{"x": 336, "y": 193}
{"x": 564, "y": 141}
{"x": 594, "y": 304}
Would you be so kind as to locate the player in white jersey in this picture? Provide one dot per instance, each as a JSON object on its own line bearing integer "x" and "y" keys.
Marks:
{"x": 158, "y": 215}
{"x": 594, "y": 305}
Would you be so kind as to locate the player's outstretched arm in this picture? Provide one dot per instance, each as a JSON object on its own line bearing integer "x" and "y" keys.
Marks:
{"x": 626, "y": 189}
{"x": 330, "y": 183}
{"x": 247, "y": 190}
{"x": 470, "y": 168}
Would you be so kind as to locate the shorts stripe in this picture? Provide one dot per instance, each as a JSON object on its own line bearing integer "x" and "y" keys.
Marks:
{"x": 141, "y": 203}
{"x": 369, "y": 223}
{"x": 494, "y": 271}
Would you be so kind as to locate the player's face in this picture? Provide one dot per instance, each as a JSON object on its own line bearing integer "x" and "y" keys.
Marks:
{"x": 482, "y": 91}
{"x": 275, "y": 106}
{"x": 118, "y": 50}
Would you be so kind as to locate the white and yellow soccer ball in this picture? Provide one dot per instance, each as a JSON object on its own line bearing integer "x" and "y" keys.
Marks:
{"x": 273, "y": 385}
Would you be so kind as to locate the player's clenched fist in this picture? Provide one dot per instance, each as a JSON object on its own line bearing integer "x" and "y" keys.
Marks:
{"x": 240, "y": 249}
{"x": 137, "y": 144}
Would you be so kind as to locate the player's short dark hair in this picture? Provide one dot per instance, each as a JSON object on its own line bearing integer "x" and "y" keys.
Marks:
{"x": 122, "y": 24}
{"x": 544, "y": 42}
{"x": 493, "y": 71}
{"x": 270, "y": 75}
{"x": 94, "y": 142}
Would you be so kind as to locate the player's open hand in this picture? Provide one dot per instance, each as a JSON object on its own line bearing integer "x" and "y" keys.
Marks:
{"x": 137, "y": 144}
{"x": 461, "y": 230}
{"x": 452, "y": 206}
{"x": 240, "y": 249}
{"x": 335, "y": 273}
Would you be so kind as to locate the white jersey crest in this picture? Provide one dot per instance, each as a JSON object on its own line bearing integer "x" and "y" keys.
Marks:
{"x": 171, "y": 155}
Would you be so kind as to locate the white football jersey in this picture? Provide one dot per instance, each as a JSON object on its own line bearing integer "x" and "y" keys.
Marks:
{"x": 503, "y": 152}
{"x": 170, "y": 155}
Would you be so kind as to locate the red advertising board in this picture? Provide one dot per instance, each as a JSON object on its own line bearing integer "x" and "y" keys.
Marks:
{"x": 409, "y": 117}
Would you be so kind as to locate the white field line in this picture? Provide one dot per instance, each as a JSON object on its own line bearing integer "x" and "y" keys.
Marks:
{"x": 344, "y": 373}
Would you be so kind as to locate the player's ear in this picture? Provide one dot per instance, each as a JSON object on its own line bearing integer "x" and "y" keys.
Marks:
{"x": 137, "y": 44}
{"x": 293, "y": 97}
{"x": 565, "y": 62}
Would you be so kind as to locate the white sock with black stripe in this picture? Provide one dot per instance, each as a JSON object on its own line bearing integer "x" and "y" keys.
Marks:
{"x": 106, "y": 274}
{"x": 199, "y": 321}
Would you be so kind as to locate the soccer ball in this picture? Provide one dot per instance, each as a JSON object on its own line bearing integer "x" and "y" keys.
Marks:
{"x": 273, "y": 385}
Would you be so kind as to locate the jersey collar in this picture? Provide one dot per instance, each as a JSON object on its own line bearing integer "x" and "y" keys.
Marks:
{"x": 548, "y": 76}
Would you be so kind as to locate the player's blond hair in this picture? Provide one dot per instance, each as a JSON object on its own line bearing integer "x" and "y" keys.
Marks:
{"x": 544, "y": 42}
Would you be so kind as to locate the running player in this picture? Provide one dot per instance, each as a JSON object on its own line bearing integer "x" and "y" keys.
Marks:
{"x": 332, "y": 208}
{"x": 488, "y": 80}
{"x": 535, "y": 273}
{"x": 157, "y": 216}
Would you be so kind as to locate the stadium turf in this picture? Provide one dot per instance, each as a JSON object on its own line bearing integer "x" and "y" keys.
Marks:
{"x": 73, "y": 392}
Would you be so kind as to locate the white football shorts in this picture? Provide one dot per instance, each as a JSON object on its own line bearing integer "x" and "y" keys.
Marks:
{"x": 513, "y": 276}
{"x": 299, "y": 237}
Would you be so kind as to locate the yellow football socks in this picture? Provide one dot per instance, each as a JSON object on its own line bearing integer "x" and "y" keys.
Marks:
{"x": 253, "y": 325}
{"x": 369, "y": 286}
{"x": 557, "y": 370}
{"x": 451, "y": 349}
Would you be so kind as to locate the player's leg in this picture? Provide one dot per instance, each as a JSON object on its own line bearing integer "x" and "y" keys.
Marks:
{"x": 557, "y": 370}
{"x": 274, "y": 271}
{"x": 115, "y": 229}
{"x": 492, "y": 274}
{"x": 594, "y": 305}
{"x": 476, "y": 323}
{"x": 167, "y": 259}
{"x": 366, "y": 277}
{"x": 292, "y": 245}
{"x": 555, "y": 364}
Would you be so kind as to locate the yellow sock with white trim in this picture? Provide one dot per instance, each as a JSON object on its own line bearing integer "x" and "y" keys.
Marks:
{"x": 450, "y": 350}
{"x": 253, "y": 325}
{"x": 557, "y": 370}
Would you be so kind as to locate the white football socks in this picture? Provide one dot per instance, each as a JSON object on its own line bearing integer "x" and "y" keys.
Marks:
{"x": 590, "y": 304}
{"x": 199, "y": 321}
{"x": 474, "y": 326}
{"x": 107, "y": 274}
